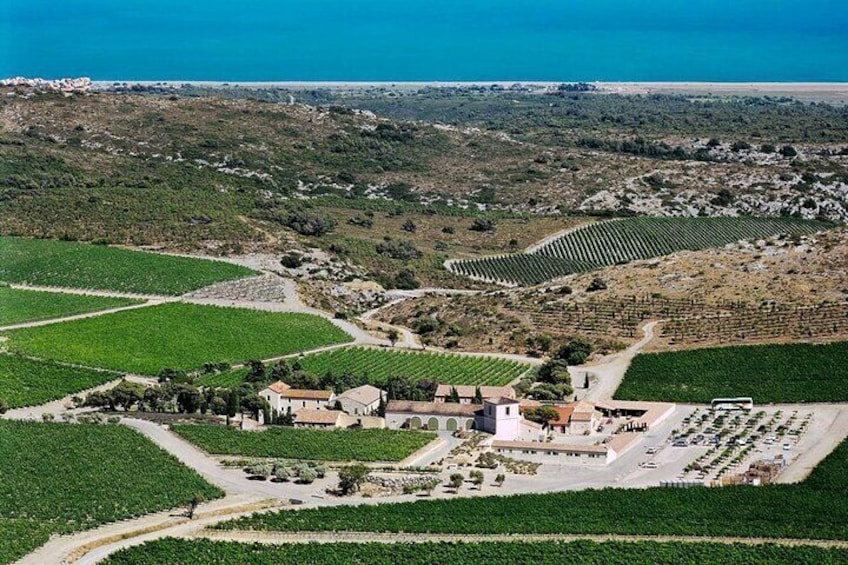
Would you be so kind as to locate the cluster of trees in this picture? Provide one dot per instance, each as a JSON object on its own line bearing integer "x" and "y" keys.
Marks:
{"x": 553, "y": 376}
{"x": 303, "y": 473}
{"x": 180, "y": 395}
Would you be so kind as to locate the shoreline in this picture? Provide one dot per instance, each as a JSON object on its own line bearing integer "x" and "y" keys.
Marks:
{"x": 825, "y": 91}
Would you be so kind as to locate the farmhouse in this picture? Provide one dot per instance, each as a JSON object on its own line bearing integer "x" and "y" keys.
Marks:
{"x": 283, "y": 398}
{"x": 556, "y": 453}
{"x": 362, "y": 400}
{"x": 432, "y": 415}
{"x": 324, "y": 419}
{"x": 467, "y": 393}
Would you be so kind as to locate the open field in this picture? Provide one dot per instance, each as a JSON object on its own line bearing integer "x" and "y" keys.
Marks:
{"x": 175, "y": 335}
{"x": 69, "y": 477}
{"x": 815, "y": 509}
{"x": 769, "y": 373}
{"x": 18, "y": 306}
{"x": 27, "y": 382}
{"x": 175, "y": 551}
{"x": 615, "y": 242}
{"x": 78, "y": 265}
{"x": 377, "y": 365}
{"x": 293, "y": 443}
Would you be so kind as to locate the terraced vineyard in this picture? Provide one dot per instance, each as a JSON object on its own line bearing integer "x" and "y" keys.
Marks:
{"x": 295, "y": 443}
{"x": 814, "y": 509}
{"x": 80, "y": 265}
{"x": 27, "y": 382}
{"x": 178, "y": 552}
{"x": 613, "y": 242}
{"x": 377, "y": 365}
{"x": 175, "y": 335}
{"x": 19, "y": 306}
{"x": 70, "y": 477}
{"x": 798, "y": 372}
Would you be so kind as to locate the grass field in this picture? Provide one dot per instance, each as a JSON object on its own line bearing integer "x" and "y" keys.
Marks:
{"x": 377, "y": 365}
{"x": 610, "y": 243}
{"x": 177, "y": 551}
{"x": 769, "y": 373}
{"x": 18, "y": 306}
{"x": 80, "y": 265}
{"x": 27, "y": 382}
{"x": 816, "y": 509}
{"x": 69, "y": 477}
{"x": 294, "y": 443}
{"x": 175, "y": 335}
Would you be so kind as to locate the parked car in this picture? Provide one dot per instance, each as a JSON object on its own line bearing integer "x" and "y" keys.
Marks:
{"x": 650, "y": 465}
{"x": 787, "y": 446}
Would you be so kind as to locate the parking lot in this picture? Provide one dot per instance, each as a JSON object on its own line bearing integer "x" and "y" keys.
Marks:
{"x": 709, "y": 445}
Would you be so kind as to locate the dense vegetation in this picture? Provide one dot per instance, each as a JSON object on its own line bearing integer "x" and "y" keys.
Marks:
{"x": 798, "y": 372}
{"x": 531, "y": 116}
{"x": 816, "y": 508}
{"x": 175, "y": 335}
{"x": 294, "y": 443}
{"x": 18, "y": 306}
{"x": 172, "y": 551}
{"x": 610, "y": 243}
{"x": 376, "y": 366}
{"x": 28, "y": 382}
{"x": 68, "y": 477}
{"x": 78, "y": 265}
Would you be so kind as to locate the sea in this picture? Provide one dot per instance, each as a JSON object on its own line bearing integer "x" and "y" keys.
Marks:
{"x": 432, "y": 40}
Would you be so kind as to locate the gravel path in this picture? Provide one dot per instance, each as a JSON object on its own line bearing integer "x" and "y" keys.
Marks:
{"x": 610, "y": 372}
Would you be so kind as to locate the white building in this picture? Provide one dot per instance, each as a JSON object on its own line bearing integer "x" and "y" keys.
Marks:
{"x": 467, "y": 393}
{"x": 501, "y": 418}
{"x": 284, "y": 399}
{"x": 362, "y": 400}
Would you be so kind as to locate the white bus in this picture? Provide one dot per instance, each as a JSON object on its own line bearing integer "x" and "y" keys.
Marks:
{"x": 740, "y": 403}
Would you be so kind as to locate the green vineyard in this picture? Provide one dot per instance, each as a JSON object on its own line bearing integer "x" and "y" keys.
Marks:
{"x": 620, "y": 241}
{"x": 295, "y": 443}
{"x": 377, "y": 365}
{"x": 47, "y": 262}
{"x": 59, "y": 478}
{"x": 179, "y": 551}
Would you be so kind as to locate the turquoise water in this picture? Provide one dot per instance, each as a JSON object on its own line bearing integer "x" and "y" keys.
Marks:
{"x": 406, "y": 40}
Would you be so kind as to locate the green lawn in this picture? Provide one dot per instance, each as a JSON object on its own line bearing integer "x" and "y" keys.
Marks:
{"x": 294, "y": 443}
{"x": 815, "y": 509}
{"x": 798, "y": 372}
{"x": 70, "y": 477}
{"x": 377, "y": 365}
{"x": 175, "y": 335}
{"x": 172, "y": 551}
{"x": 80, "y": 265}
{"x": 18, "y": 306}
{"x": 28, "y": 382}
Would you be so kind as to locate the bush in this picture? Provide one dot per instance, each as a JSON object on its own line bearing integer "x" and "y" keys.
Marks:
{"x": 291, "y": 261}
{"x": 482, "y": 224}
{"x": 401, "y": 250}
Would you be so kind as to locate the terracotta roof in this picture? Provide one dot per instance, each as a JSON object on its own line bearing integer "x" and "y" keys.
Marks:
{"x": 468, "y": 391}
{"x": 279, "y": 387}
{"x": 500, "y": 401}
{"x": 309, "y": 416}
{"x": 434, "y": 408}
{"x": 563, "y": 415}
{"x": 306, "y": 394}
{"x": 365, "y": 394}
{"x": 549, "y": 446}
